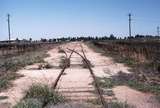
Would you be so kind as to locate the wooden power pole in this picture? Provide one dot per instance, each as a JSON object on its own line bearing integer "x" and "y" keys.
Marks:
{"x": 130, "y": 29}
{"x": 158, "y": 31}
{"x": 9, "y": 32}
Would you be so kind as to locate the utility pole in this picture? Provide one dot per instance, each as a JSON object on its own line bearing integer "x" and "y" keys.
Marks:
{"x": 9, "y": 33}
{"x": 158, "y": 31}
{"x": 130, "y": 31}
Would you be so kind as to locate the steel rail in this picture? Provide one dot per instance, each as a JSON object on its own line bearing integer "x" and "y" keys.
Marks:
{"x": 62, "y": 71}
{"x": 102, "y": 99}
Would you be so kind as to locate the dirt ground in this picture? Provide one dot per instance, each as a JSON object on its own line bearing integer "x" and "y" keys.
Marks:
{"x": 76, "y": 83}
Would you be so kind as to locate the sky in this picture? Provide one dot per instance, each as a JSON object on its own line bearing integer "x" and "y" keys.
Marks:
{"x": 63, "y": 18}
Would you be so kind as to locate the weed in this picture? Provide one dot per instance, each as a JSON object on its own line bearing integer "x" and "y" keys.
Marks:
{"x": 65, "y": 62}
{"x": 128, "y": 61}
{"x": 61, "y": 50}
{"x": 29, "y": 103}
{"x": 111, "y": 104}
{"x": 130, "y": 54}
{"x": 94, "y": 101}
{"x": 9, "y": 66}
{"x": 48, "y": 66}
{"x": 144, "y": 87}
{"x": 44, "y": 94}
{"x": 118, "y": 80}
{"x": 106, "y": 82}
{"x": 119, "y": 105}
{"x": 17, "y": 62}
{"x": 45, "y": 66}
{"x": 6, "y": 78}
{"x": 72, "y": 105}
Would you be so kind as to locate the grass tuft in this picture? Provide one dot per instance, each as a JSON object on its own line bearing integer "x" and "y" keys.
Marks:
{"x": 112, "y": 104}
{"x": 6, "y": 78}
{"x": 61, "y": 51}
{"x": 45, "y": 66}
{"x": 64, "y": 62}
{"x": 106, "y": 82}
{"x": 44, "y": 94}
{"x": 115, "y": 81}
{"x": 119, "y": 105}
{"x": 29, "y": 103}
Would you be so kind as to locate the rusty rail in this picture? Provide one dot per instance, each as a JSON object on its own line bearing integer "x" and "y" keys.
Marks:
{"x": 62, "y": 71}
{"x": 102, "y": 99}
{"x": 97, "y": 87}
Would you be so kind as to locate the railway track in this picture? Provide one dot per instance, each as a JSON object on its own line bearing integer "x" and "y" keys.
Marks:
{"x": 85, "y": 59}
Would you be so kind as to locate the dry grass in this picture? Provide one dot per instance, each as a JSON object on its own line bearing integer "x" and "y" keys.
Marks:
{"x": 45, "y": 65}
{"x": 65, "y": 62}
{"x": 9, "y": 66}
{"x": 143, "y": 77}
{"x": 72, "y": 105}
{"x": 39, "y": 96}
{"x": 112, "y": 104}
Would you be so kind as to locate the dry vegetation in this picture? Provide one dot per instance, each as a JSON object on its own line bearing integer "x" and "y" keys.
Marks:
{"x": 65, "y": 61}
{"x": 9, "y": 64}
{"x": 112, "y": 104}
{"x": 142, "y": 57}
{"x": 40, "y": 96}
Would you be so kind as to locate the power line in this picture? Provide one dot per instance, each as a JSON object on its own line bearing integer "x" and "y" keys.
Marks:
{"x": 9, "y": 33}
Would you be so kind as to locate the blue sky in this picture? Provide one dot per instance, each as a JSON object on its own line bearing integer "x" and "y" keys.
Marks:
{"x": 57, "y": 18}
